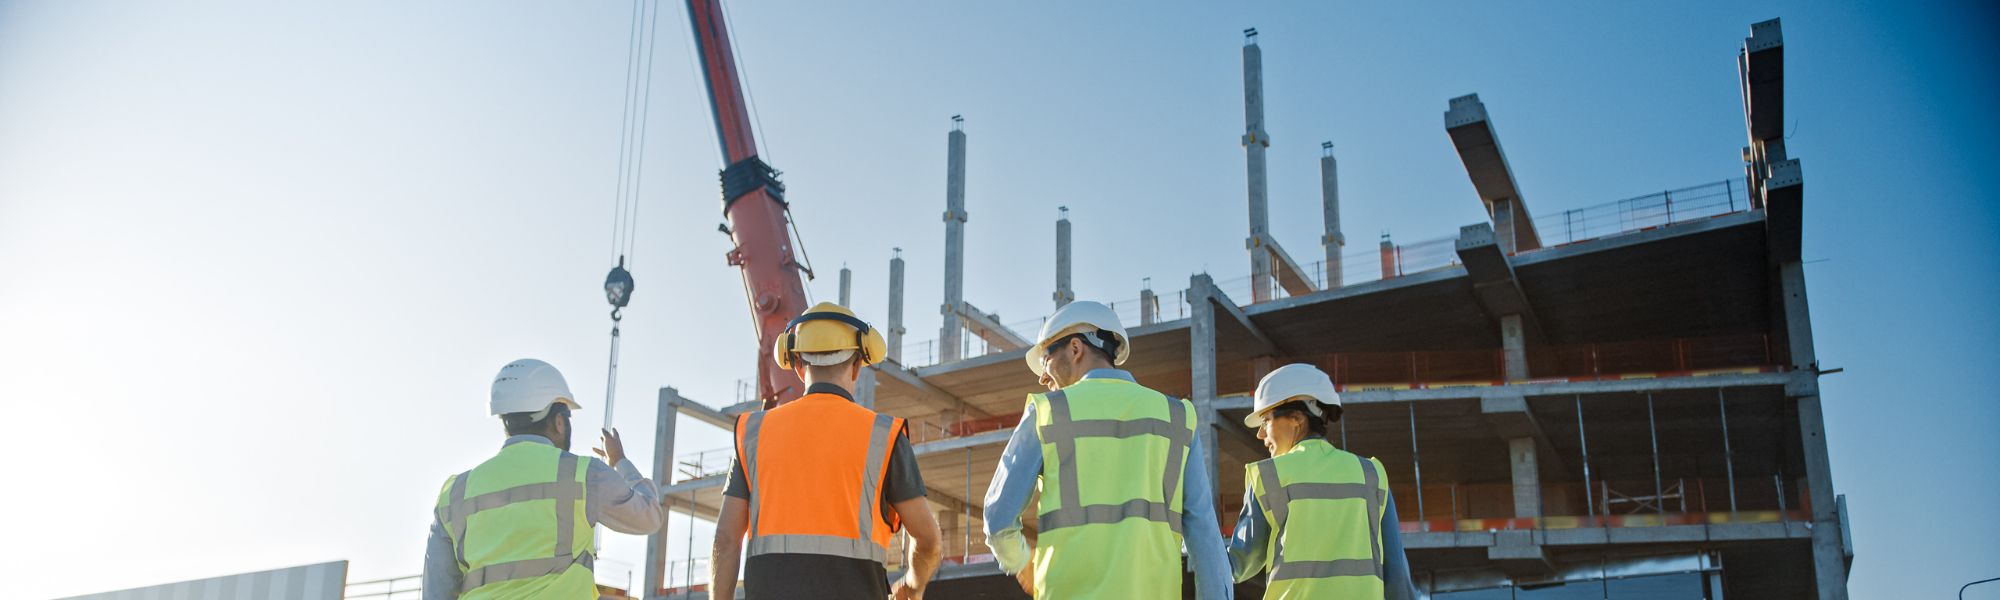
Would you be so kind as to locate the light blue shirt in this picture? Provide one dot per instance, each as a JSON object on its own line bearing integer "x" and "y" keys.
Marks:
{"x": 620, "y": 498}
{"x": 1021, "y": 465}
{"x": 1249, "y": 547}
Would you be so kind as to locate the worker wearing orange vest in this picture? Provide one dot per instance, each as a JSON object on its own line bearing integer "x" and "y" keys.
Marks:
{"x": 821, "y": 483}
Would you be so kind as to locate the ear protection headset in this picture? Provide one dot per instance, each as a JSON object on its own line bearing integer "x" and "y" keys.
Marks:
{"x": 867, "y": 343}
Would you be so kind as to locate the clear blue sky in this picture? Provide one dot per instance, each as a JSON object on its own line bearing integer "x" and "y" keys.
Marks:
{"x": 259, "y": 260}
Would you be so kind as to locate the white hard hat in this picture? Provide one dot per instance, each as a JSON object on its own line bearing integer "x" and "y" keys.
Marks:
{"x": 1288, "y": 382}
{"x": 529, "y": 386}
{"x": 1082, "y": 316}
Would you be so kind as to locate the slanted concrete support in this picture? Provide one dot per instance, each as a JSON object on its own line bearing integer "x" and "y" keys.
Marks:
{"x": 663, "y": 461}
{"x": 931, "y": 395}
{"x": 1829, "y": 547}
{"x": 1472, "y": 133}
{"x": 952, "y": 336}
{"x": 988, "y": 327}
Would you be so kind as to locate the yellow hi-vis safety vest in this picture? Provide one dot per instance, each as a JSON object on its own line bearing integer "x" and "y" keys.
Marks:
{"x": 1325, "y": 507}
{"x": 1110, "y": 514}
{"x": 518, "y": 527}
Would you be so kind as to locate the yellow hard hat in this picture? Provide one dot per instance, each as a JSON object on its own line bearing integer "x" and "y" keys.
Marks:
{"x": 829, "y": 327}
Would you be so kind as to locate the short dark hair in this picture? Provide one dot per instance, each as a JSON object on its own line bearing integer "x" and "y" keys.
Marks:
{"x": 1314, "y": 424}
{"x": 523, "y": 423}
{"x": 1106, "y": 346}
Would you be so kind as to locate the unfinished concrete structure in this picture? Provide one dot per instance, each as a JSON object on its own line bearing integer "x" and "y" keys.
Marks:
{"x": 1617, "y": 401}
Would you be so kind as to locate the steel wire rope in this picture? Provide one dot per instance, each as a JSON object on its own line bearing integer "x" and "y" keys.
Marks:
{"x": 645, "y": 110}
{"x": 624, "y": 130}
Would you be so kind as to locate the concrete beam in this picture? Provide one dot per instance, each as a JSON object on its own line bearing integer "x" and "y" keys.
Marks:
{"x": 1202, "y": 360}
{"x": 1761, "y": 65}
{"x": 1472, "y": 133}
{"x": 989, "y": 328}
{"x": 701, "y": 412}
{"x": 928, "y": 394}
{"x": 1490, "y": 272}
{"x": 1788, "y": 380}
{"x": 1517, "y": 555}
{"x": 989, "y": 438}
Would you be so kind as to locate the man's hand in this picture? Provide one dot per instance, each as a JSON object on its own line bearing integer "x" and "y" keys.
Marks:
{"x": 613, "y": 451}
{"x": 1027, "y": 578}
{"x": 905, "y": 590}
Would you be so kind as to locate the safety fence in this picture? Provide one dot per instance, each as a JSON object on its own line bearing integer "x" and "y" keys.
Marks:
{"x": 1600, "y": 503}
{"x": 614, "y": 580}
{"x": 1389, "y": 260}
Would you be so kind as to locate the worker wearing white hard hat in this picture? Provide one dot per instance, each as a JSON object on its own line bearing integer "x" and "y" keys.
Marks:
{"x": 521, "y": 524}
{"x": 1317, "y": 520}
{"x": 1121, "y": 474}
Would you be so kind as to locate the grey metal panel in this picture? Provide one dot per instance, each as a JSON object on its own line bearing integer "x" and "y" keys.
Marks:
{"x": 322, "y": 581}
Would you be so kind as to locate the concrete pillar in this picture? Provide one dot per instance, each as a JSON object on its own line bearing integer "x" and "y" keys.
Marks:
{"x": 1149, "y": 304}
{"x": 895, "y": 331}
{"x": 864, "y": 388}
{"x": 663, "y": 463}
{"x": 1064, "y": 294}
{"x": 952, "y": 335}
{"x": 1828, "y": 547}
{"x": 1513, "y": 348}
{"x": 1503, "y": 223}
{"x": 1527, "y": 477}
{"x": 1329, "y": 192}
{"x": 1255, "y": 141}
{"x": 1201, "y": 362}
{"x": 1388, "y": 257}
{"x": 846, "y": 287}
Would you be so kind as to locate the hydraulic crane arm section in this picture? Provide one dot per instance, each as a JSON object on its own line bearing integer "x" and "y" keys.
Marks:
{"x": 753, "y": 202}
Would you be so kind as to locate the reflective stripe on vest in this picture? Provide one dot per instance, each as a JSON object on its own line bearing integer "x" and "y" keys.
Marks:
{"x": 1063, "y": 432}
{"x": 880, "y": 435}
{"x": 562, "y": 487}
{"x": 1277, "y": 496}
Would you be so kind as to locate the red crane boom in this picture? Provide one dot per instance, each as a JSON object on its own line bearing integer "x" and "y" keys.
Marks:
{"x": 753, "y": 203}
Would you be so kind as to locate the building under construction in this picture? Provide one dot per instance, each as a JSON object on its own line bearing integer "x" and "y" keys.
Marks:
{"x": 1616, "y": 401}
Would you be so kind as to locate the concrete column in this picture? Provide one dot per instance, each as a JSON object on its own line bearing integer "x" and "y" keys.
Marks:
{"x": 663, "y": 463}
{"x": 1513, "y": 348}
{"x": 1255, "y": 141}
{"x": 1329, "y": 192}
{"x": 1388, "y": 257}
{"x": 1149, "y": 304}
{"x": 1527, "y": 477}
{"x": 1201, "y": 362}
{"x": 895, "y": 331}
{"x": 846, "y": 287}
{"x": 1064, "y": 294}
{"x": 1828, "y": 548}
{"x": 952, "y": 335}
{"x": 1503, "y": 223}
{"x": 864, "y": 388}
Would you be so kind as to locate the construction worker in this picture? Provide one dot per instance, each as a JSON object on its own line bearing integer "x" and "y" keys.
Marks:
{"x": 821, "y": 483}
{"x": 1121, "y": 474}
{"x": 1319, "y": 519}
{"x": 520, "y": 525}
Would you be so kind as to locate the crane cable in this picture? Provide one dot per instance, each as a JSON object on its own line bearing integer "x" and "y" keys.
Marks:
{"x": 631, "y": 161}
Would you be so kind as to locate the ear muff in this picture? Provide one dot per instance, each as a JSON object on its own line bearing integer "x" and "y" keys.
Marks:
{"x": 867, "y": 341}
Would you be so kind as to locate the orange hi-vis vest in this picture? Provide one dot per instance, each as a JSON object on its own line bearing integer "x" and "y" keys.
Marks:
{"x": 816, "y": 467}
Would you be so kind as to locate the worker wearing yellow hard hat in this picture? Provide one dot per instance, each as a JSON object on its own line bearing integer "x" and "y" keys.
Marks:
{"x": 519, "y": 525}
{"x": 1319, "y": 520}
{"x": 1123, "y": 481}
{"x": 821, "y": 484}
